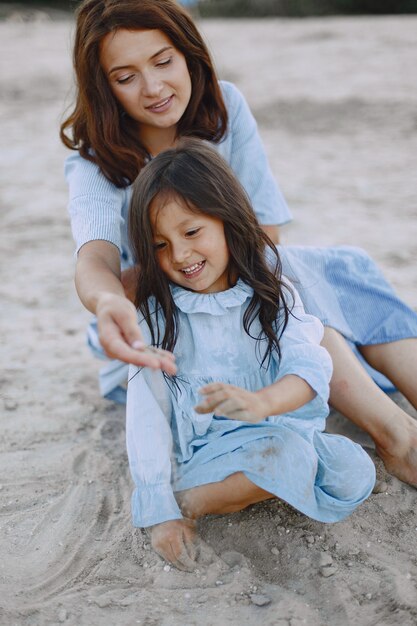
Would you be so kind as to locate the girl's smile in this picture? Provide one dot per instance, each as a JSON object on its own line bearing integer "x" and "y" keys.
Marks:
{"x": 191, "y": 247}
{"x": 150, "y": 79}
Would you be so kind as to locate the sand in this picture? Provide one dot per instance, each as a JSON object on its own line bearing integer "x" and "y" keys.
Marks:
{"x": 336, "y": 104}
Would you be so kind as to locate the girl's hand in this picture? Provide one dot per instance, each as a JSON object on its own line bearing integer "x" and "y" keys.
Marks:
{"x": 176, "y": 542}
{"x": 121, "y": 338}
{"x": 232, "y": 402}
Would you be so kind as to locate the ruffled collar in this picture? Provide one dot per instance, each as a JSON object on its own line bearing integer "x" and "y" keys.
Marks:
{"x": 212, "y": 303}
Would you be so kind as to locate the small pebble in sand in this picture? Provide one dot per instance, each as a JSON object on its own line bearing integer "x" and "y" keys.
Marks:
{"x": 310, "y": 540}
{"x": 275, "y": 551}
{"x": 259, "y": 599}
{"x": 219, "y": 583}
{"x": 354, "y": 551}
{"x": 328, "y": 571}
{"x": 62, "y": 615}
{"x": 368, "y": 596}
{"x": 167, "y": 568}
{"x": 201, "y": 599}
{"x": 10, "y": 405}
{"x": 349, "y": 564}
{"x": 325, "y": 559}
{"x": 380, "y": 487}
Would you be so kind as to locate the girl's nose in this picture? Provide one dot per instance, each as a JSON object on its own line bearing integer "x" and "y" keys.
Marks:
{"x": 180, "y": 253}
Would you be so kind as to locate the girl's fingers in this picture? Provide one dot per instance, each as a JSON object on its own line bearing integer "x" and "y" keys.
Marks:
{"x": 212, "y": 387}
{"x": 214, "y": 401}
{"x": 180, "y": 557}
{"x": 243, "y": 416}
{"x": 228, "y": 407}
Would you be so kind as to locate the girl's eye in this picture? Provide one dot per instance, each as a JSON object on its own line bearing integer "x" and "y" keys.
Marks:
{"x": 159, "y": 246}
{"x": 124, "y": 79}
{"x": 192, "y": 232}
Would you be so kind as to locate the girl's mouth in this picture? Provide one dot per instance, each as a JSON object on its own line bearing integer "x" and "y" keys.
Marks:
{"x": 161, "y": 106}
{"x": 193, "y": 270}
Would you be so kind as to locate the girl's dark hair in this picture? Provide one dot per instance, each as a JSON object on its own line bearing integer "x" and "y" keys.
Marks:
{"x": 198, "y": 176}
{"x": 97, "y": 127}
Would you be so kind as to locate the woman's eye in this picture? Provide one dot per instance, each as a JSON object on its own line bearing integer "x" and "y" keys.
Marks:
{"x": 124, "y": 79}
{"x": 192, "y": 232}
{"x": 164, "y": 62}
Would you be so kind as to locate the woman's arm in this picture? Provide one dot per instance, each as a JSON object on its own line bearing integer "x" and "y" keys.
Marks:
{"x": 98, "y": 284}
{"x": 272, "y": 231}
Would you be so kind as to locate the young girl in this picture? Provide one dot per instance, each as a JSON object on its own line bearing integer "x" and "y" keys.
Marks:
{"x": 248, "y": 405}
{"x": 144, "y": 79}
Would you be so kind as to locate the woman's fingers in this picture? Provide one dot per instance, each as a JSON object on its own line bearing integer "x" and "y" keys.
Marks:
{"x": 122, "y": 339}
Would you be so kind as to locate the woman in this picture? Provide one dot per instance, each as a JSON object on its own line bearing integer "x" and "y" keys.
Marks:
{"x": 144, "y": 79}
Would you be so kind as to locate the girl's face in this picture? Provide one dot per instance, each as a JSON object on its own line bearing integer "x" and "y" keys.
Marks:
{"x": 150, "y": 79}
{"x": 191, "y": 248}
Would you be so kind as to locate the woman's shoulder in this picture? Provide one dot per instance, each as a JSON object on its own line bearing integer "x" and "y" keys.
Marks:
{"x": 84, "y": 177}
{"x": 233, "y": 97}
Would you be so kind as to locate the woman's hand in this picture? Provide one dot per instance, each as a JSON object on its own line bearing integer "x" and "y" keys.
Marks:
{"x": 176, "y": 542}
{"x": 232, "y": 402}
{"x": 121, "y": 338}
{"x": 129, "y": 280}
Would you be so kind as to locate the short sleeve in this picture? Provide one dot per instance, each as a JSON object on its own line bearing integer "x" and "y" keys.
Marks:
{"x": 95, "y": 204}
{"x": 243, "y": 149}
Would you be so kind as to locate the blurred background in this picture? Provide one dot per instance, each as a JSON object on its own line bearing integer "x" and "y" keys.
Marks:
{"x": 249, "y": 8}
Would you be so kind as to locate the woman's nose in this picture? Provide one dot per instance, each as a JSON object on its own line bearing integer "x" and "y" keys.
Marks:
{"x": 151, "y": 85}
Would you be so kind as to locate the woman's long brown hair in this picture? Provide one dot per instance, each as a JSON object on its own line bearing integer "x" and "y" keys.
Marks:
{"x": 198, "y": 176}
{"x": 97, "y": 127}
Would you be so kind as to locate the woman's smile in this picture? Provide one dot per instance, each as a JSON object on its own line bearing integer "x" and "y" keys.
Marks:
{"x": 150, "y": 79}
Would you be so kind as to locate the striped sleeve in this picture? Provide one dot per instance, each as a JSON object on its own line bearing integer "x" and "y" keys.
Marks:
{"x": 95, "y": 204}
{"x": 243, "y": 149}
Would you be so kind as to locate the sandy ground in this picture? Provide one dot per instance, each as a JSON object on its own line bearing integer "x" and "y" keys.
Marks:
{"x": 336, "y": 104}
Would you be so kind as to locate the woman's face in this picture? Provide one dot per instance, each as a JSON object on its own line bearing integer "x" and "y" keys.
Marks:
{"x": 149, "y": 78}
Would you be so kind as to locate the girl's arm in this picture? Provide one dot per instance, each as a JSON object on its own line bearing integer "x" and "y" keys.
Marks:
{"x": 286, "y": 395}
{"x": 304, "y": 372}
{"x": 149, "y": 448}
{"x": 99, "y": 286}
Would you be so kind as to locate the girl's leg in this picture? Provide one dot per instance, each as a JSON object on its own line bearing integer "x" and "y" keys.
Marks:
{"x": 353, "y": 393}
{"x": 232, "y": 494}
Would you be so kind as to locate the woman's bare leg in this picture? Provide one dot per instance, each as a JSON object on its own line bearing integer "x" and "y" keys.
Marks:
{"x": 397, "y": 360}
{"x": 232, "y": 494}
{"x": 354, "y": 393}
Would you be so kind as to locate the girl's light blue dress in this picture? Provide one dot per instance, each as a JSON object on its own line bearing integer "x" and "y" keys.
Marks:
{"x": 341, "y": 285}
{"x": 172, "y": 448}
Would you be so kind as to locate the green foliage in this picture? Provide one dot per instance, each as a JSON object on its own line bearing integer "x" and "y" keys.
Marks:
{"x": 303, "y": 8}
